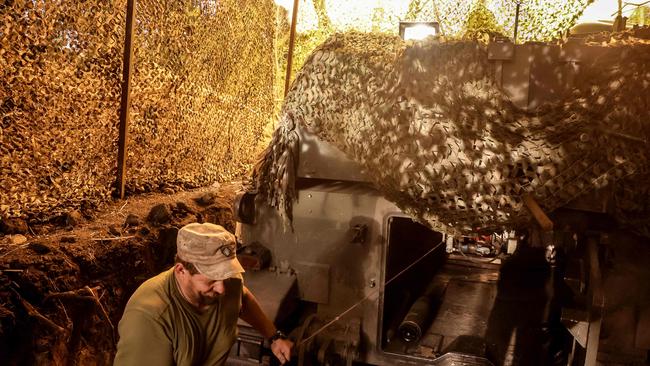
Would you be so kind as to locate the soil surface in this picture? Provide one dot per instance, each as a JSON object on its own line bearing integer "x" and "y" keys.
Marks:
{"x": 63, "y": 287}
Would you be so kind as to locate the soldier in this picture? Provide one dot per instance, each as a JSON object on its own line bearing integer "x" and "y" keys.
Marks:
{"x": 188, "y": 314}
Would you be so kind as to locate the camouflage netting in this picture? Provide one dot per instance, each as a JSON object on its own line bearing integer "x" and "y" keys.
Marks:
{"x": 434, "y": 133}
{"x": 60, "y": 68}
{"x": 539, "y": 20}
{"x": 202, "y": 92}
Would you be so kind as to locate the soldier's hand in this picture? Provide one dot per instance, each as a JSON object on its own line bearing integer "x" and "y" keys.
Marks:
{"x": 281, "y": 348}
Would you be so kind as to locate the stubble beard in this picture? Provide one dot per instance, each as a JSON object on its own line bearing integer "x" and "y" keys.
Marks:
{"x": 207, "y": 300}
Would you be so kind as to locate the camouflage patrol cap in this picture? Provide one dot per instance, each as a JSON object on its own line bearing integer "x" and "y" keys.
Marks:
{"x": 211, "y": 248}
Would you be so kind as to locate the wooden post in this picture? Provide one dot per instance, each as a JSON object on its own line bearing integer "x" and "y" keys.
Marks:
{"x": 292, "y": 38}
{"x": 597, "y": 303}
{"x": 619, "y": 22}
{"x": 125, "y": 104}
{"x": 516, "y": 22}
{"x": 544, "y": 222}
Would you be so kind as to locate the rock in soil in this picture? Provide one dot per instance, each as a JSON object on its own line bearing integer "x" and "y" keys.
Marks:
{"x": 132, "y": 220}
{"x": 18, "y": 239}
{"x": 13, "y": 226}
{"x": 183, "y": 209}
{"x": 114, "y": 231}
{"x": 167, "y": 241}
{"x": 39, "y": 248}
{"x": 206, "y": 199}
{"x": 68, "y": 239}
{"x": 159, "y": 214}
{"x": 72, "y": 218}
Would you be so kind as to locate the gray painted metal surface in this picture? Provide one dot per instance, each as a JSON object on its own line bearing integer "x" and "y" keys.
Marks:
{"x": 321, "y": 160}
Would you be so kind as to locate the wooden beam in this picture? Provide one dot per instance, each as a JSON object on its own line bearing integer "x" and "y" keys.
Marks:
{"x": 516, "y": 22}
{"x": 125, "y": 104}
{"x": 544, "y": 222}
{"x": 292, "y": 39}
{"x": 597, "y": 303}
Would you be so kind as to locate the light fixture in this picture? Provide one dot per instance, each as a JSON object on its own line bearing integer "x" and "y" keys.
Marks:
{"x": 418, "y": 30}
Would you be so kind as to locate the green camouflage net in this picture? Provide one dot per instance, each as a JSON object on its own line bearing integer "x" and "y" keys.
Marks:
{"x": 435, "y": 135}
{"x": 202, "y": 93}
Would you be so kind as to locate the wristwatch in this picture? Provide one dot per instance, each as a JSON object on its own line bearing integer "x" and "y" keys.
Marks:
{"x": 277, "y": 335}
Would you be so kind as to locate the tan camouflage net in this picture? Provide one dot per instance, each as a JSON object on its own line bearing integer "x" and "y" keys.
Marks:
{"x": 202, "y": 92}
{"x": 434, "y": 133}
{"x": 60, "y": 67}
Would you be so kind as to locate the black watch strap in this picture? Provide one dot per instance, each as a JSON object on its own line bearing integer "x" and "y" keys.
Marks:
{"x": 277, "y": 335}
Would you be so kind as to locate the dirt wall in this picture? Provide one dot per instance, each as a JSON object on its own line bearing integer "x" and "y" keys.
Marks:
{"x": 62, "y": 294}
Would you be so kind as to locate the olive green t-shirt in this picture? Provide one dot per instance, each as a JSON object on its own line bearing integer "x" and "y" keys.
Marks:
{"x": 159, "y": 327}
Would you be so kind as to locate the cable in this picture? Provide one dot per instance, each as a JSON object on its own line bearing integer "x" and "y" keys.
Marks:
{"x": 338, "y": 317}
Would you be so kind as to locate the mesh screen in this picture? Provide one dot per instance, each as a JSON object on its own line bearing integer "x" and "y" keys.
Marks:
{"x": 433, "y": 131}
{"x": 60, "y": 67}
{"x": 539, "y": 20}
{"x": 207, "y": 77}
{"x": 203, "y": 90}
{"x": 202, "y": 93}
